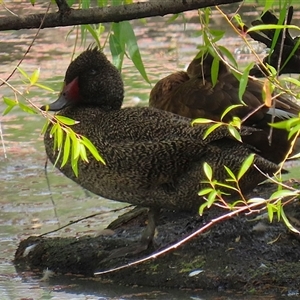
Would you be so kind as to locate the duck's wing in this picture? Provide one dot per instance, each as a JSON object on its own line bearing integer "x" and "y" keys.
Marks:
{"x": 164, "y": 150}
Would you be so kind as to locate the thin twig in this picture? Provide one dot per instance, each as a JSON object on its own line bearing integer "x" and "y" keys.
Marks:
{"x": 29, "y": 47}
{"x": 51, "y": 196}
{"x": 84, "y": 218}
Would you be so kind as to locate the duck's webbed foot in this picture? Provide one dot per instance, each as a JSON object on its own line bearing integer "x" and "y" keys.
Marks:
{"x": 143, "y": 244}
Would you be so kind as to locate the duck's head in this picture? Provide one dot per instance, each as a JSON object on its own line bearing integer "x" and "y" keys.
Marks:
{"x": 90, "y": 80}
{"x": 200, "y": 66}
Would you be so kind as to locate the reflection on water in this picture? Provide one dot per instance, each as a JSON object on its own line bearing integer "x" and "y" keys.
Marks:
{"x": 26, "y": 206}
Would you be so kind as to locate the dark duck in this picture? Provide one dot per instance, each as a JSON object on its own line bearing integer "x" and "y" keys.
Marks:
{"x": 153, "y": 158}
{"x": 192, "y": 94}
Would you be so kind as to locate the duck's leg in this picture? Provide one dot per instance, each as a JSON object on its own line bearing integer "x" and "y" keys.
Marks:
{"x": 148, "y": 233}
{"x": 146, "y": 239}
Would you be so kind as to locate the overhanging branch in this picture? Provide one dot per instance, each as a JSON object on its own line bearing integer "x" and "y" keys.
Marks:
{"x": 106, "y": 14}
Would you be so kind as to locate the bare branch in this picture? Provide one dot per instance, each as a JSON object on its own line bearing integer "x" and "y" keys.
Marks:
{"x": 106, "y": 14}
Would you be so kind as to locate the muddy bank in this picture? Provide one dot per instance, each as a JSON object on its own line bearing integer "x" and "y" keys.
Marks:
{"x": 245, "y": 253}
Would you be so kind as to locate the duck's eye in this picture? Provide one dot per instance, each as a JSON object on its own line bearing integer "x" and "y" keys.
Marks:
{"x": 93, "y": 71}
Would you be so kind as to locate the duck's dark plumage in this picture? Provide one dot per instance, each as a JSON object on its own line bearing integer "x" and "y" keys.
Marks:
{"x": 191, "y": 94}
{"x": 153, "y": 158}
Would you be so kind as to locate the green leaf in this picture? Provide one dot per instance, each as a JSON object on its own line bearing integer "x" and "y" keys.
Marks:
{"x": 117, "y": 46}
{"x": 53, "y": 129}
{"x": 82, "y": 153}
{"x": 35, "y": 76}
{"x": 7, "y": 110}
{"x": 282, "y": 193}
{"x": 10, "y": 102}
{"x": 59, "y": 136}
{"x": 128, "y": 35}
{"x": 271, "y": 26}
{"x": 230, "y": 108}
{"x": 245, "y": 166}
{"x": 211, "y": 129}
{"x": 27, "y": 108}
{"x": 75, "y": 147}
{"x": 202, "y": 207}
{"x": 227, "y": 53}
{"x": 44, "y": 87}
{"x": 45, "y": 126}
{"x": 230, "y": 173}
{"x": 202, "y": 121}
{"x": 234, "y": 132}
{"x": 215, "y": 70}
{"x": 88, "y": 144}
{"x": 208, "y": 171}
{"x": 65, "y": 120}
{"x": 66, "y": 150}
{"x": 204, "y": 191}
{"x": 93, "y": 33}
{"x": 287, "y": 222}
{"x": 244, "y": 81}
{"x": 211, "y": 198}
{"x": 23, "y": 73}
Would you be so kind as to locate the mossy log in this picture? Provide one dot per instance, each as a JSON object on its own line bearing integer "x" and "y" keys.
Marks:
{"x": 244, "y": 253}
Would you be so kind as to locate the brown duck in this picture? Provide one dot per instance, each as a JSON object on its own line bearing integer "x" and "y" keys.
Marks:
{"x": 153, "y": 158}
{"x": 191, "y": 94}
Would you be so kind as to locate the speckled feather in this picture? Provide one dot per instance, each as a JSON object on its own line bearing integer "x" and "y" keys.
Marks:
{"x": 153, "y": 158}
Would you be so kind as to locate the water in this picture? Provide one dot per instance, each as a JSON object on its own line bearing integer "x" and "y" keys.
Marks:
{"x": 25, "y": 202}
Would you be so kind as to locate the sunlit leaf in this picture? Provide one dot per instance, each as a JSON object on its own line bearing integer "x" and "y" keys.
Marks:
{"x": 256, "y": 200}
{"x": 202, "y": 207}
{"x": 132, "y": 47}
{"x": 88, "y": 144}
{"x": 75, "y": 147}
{"x": 7, "y": 110}
{"x": 82, "y": 153}
{"x": 230, "y": 173}
{"x": 66, "y": 120}
{"x": 93, "y": 33}
{"x": 45, "y": 126}
{"x": 230, "y": 108}
{"x": 282, "y": 193}
{"x": 202, "y": 121}
{"x": 287, "y": 222}
{"x": 211, "y": 129}
{"x": 35, "y": 76}
{"x": 10, "y": 102}
{"x": 204, "y": 191}
{"x": 66, "y": 150}
{"x": 244, "y": 81}
{"x": 44, "y": 87}
{"x": 215, "y": 70}
{"x": 270, "y": 209}
{"x": 23, "y": 73}
{"x": 27, "y": 108}
{"x": 59, "y": 136}
{"x": 207, "y": 170}
{"x": 248, "y": 162}
{"x": 227, "y": 53}
{"x": 211, "y": 198}
{"x": 271, "y": 26}
{"x": 234, "y": 132}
